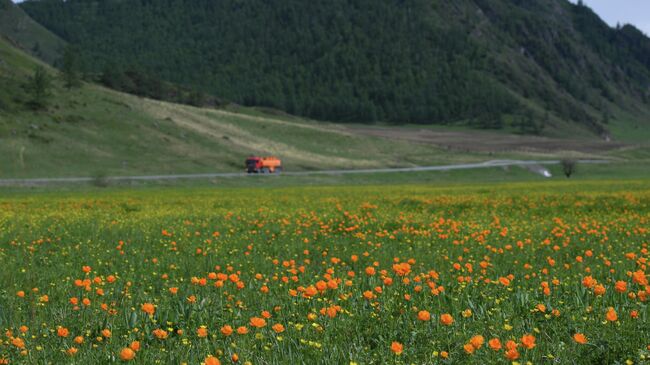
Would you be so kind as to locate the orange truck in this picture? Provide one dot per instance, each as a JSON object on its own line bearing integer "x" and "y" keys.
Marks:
{"x": 263, "y": 165}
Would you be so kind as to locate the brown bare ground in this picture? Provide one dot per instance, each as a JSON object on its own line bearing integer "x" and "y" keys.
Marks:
{"x": 479, "y": 141}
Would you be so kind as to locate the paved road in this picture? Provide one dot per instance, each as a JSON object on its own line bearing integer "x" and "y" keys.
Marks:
{"x": 486, "y": 164}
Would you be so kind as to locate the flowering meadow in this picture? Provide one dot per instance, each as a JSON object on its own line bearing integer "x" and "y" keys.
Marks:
{"x": 508, "y": 273}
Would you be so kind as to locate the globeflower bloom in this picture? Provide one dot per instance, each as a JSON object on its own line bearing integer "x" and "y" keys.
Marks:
{"x": 528, "y": 341}
{"x": 611, "y": 315}
{"x": 424, "y": 315}
{"x": 226, "y": 330}
{"x": 149, "y": 308}
{"x": 495, "y": 344}
{"x": 397, "y": 348}
{"x": 257, "y": 322}
{"x": 211, "y": 360}
{"x": 446, "y": 319}
{"x": 127, "y": 354}
{"x": 580, "y": 338}
{"x": 160, "y": 334}
{"x": 62, "y": 332}
{"x": 477, "y": 341}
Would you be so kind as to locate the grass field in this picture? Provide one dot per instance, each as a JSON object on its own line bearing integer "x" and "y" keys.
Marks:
{"x": 524, "y": 272}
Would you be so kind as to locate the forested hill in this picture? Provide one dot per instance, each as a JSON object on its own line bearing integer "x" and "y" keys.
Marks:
{"x": 492, "y": 63}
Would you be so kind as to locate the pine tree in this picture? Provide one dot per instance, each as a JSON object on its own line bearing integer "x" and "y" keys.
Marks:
{"x": 38, "y": 87}
{"x": 70, "y": 68}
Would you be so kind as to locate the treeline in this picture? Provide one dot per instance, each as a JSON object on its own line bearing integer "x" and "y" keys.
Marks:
{"x": 400, "y": 61}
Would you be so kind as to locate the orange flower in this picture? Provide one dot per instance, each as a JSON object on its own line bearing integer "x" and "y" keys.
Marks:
{"x": 257, "y": 322}
{"x": 639, "y": 278}
{"x": 149, "y": 308}
{"x": 611, "y": 315}
{"x": 79, "y": 340}
{"x": 71, "y": 351}
{"x": 226, "y": 330}
{"x": 512, "y": 354}
{"x": 504, "y": 281}
{"x": 424, "y": 315}
{"x": 621, "y": 286}
{"x": 18, "y": 342}
{"x": 402, "y": 269}
{"x": 278, "y": 328}
{"x": 588, "y": 282}
{"x": 477, "y": 341}
{"x": 599, "y": 290}
{"x": 370, "y": 270}
{"x": 211, "y": 360}
{"x": 580, "y": 338}
{"x": 368, "y": 294}
{"x": 397, "y": 348}
{"x": 135, "y": 346}
{"x": 160, "y": 334}
{"x": 106, "y": 333}
{"x": 173, "y": 290}
{"x": 20, "y": 294}
{"x": 202, "y": 332}
{"x": 469, "y": 348}
{"x": 127, "y": 354}
{"x": 446, "y": 319}
{"x": 495, "y": 344}
{"x": 528, "y": 341}
{"x": 242, "y": 330}
{"x": 62, "y": 332}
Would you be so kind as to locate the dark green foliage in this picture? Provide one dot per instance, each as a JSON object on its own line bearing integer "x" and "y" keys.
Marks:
{"x": 39, "y": 87}
{"x": 418, "y": 61}
{"x": 70, "y": 68}
{"x": 568, "y": 167}
{"x": 136, "y": 81}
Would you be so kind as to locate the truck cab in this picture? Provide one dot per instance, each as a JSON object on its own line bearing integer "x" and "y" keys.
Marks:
{"x": 264, "y": 165}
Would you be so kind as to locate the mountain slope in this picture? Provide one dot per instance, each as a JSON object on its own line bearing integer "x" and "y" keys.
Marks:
{"x": 531, "y": 66}
{"x": 93, "y": 130}
{"x": 28, "y": 34}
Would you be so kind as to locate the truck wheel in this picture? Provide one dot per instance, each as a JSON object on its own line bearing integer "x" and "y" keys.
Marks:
{"x": 278, "y": 169}
{"x": 265, "y": 170}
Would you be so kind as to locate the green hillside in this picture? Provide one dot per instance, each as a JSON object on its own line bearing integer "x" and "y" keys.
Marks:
{"x": 524, "y": 66}
{"x": 93, "y": 130}
{"x": 27, "y": 34}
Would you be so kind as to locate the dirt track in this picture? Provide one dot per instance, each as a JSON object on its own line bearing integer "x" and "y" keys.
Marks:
{"x": 478, "y": 141}
{"x": 486, "y": 164}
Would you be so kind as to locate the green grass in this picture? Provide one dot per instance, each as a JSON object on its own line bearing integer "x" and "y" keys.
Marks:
{"x": 28, "y": 34}
{"x": 151, "y": 241}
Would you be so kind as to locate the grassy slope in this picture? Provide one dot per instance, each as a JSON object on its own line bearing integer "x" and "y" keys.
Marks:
{"x": 28, "y": 34}
{"x": 94, "y": 131}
